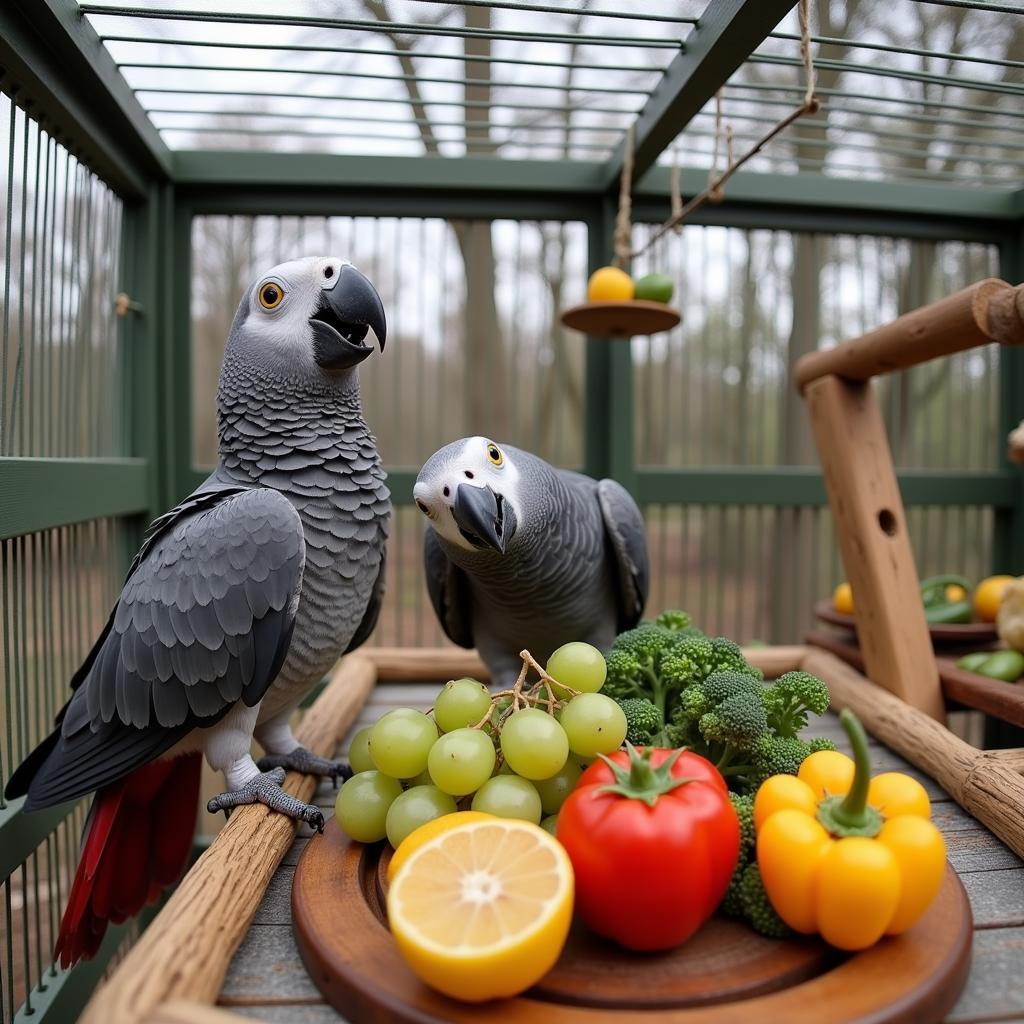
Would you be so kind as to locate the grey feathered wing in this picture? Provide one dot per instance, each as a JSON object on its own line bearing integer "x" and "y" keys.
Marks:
{"x": 449, "y": 593}
{"x": 204, "y": 620}
{"x": 624, "y": 526}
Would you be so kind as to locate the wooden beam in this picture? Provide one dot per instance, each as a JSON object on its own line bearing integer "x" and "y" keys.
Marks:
{"x": 726, "y": 34}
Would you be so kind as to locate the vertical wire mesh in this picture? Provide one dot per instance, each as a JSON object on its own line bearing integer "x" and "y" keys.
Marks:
{"x": 56, "y": 589}
{"x": 716, "y": 392}
{"x": 61, "y": 387}
{"x": 62, "y": 394}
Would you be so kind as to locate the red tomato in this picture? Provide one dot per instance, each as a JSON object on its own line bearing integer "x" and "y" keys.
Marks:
{"x": 649, "y": 874}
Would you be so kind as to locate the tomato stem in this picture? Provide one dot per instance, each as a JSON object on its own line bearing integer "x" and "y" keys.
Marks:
{"x": 641, "y": 780}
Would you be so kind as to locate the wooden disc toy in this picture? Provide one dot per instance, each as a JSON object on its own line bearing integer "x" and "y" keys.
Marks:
{"x": 725, "y": 973}
{"x": 621, "y": 319}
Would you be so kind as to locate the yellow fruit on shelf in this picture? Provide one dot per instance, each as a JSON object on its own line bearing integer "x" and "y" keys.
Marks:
{"x": 609, "y": 284}
{"x": 842, "y": 599}
{"x": 987, "y": 596}
{"x": 412, "y": 842}
{"x": 482, "y": 910}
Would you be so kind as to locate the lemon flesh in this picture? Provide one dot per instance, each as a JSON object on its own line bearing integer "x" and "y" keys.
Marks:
{"x": 482, "y": 911}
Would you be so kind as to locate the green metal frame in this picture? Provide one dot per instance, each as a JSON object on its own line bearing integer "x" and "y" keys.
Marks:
{"x": 727, "y": 33}
{"x": 57, "y": 67}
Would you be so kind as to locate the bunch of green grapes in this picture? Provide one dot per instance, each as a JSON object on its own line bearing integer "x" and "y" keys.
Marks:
{"x": 478, "y": 751}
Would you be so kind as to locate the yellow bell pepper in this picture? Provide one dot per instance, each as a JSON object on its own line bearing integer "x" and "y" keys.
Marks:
{"x": 846, "y": 856}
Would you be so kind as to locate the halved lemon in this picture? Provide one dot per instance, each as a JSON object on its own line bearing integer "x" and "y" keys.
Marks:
{"x": 482, "y": 910}
{"x": 415, "y": 839}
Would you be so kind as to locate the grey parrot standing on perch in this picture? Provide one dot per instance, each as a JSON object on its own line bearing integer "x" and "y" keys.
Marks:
{"x": 521, "y": 554}
{"x": 240, "y": 599}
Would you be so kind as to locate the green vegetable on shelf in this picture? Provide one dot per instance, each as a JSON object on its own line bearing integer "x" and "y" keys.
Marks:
{"x": 973, "y": 662}
{"x": 939, "y": 609}
{"x": 1005, "y": 665}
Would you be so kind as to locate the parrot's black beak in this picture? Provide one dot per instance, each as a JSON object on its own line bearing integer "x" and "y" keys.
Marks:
{"x": 347, "y": 311}
{"x": 483, "y": 517}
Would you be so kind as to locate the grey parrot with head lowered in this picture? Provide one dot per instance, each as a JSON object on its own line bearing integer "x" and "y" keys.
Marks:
{"x": 247, "y": 592}
{"x": 519, "y": 554}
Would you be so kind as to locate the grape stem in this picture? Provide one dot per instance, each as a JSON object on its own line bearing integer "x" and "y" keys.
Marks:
{"x": 524, "y": 696}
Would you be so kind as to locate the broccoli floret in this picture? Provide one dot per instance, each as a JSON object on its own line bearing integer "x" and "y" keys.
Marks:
{"x": 738, "y": 721}
{"x": 744, "y": 808}
{"x": 757, "y": 908}
{"x": 673, "y": 620}
{"x": 791, "y": 698}
{"x": 643, "y": 721}
{"x": 694, "y": 658}
{"x": 820, "y": 743}
{"x": 730, "y": 683}
{"x": 743, "y": 805}
{"x": 679, "y": 732}
{"x": 636, "y": 666}
{"x": 722, "y": 717}
{"x": 783, "y": 755}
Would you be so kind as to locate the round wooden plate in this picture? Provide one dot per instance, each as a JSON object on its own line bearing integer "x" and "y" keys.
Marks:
{"x": 621, "y": 319}
{"x": 341, "y": 931}
{"x": 954, "y": 633}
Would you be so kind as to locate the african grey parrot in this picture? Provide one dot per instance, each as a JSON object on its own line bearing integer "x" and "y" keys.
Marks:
{"x": 239, "y": 600}
{"x": 519, "y": 554}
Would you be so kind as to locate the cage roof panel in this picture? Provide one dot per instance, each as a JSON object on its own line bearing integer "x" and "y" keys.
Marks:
{"x": 909, "y": 90}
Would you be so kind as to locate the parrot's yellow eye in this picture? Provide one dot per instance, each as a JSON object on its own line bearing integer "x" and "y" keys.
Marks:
{"x": 271, "y": 294}
{"x": 424, "y": 508}
{"x": 494, "y": 454}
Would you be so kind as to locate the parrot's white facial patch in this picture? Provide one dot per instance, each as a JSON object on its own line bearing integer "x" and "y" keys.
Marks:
{"x": 311, "y": 319}
{"x": 472, "y": 462}
{"x": 282, "y": 301}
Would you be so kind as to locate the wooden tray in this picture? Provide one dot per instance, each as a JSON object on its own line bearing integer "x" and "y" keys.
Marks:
{"x": 725, "y": 974}
{"x": 980, "y": 633}
{"x": 621, "y": 319}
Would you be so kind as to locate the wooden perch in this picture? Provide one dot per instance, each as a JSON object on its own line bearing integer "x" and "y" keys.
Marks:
{"x": 435, "y": 665}
{"x": 988, "y": 311}
{"x": 185, "y": 952}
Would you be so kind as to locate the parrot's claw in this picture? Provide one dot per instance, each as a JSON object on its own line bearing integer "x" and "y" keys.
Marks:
{"x": 266, "y": 789}
{"x": 302, "y": 760}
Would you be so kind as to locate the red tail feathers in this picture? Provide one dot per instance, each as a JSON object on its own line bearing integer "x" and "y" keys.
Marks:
{"x": 137, "y": 839}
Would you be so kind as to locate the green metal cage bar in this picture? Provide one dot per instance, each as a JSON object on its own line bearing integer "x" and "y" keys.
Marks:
{"x": 373, "y": 52}
{"x": 404, "y": 27}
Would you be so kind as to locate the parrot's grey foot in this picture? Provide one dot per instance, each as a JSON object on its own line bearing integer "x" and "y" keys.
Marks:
{"x": 266, "y": 789}
{"x": 302, "y": 760}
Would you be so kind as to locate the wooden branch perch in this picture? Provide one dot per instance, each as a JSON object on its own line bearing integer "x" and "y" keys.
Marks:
{"x": 185, "y": 952}
{"x": 988, "y": 311}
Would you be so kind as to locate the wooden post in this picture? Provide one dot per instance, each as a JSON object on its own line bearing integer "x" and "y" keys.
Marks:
{"x": 872, "y": 532}
{"x": 185, "y": 952}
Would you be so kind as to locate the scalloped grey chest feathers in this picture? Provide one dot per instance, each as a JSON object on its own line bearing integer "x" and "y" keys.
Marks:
{"x": 316, "y": 449}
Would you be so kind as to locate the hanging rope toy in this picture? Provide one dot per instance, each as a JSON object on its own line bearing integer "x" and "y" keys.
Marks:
{"x": 616, "y": 305}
